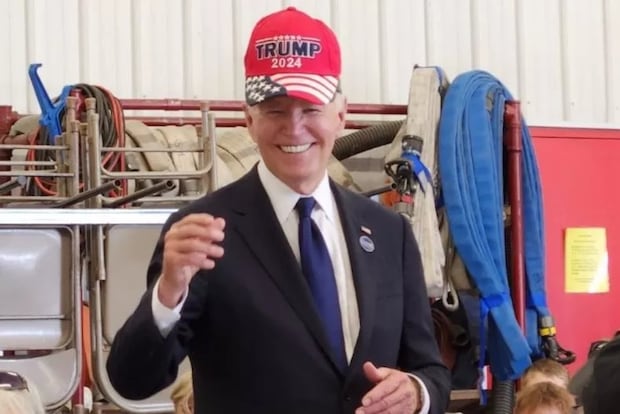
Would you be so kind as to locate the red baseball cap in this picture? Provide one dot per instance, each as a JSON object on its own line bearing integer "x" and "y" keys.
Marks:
{"x": 292, "y": 54}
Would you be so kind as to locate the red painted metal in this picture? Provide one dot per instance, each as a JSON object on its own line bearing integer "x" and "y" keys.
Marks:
{"x": 572, "y": 133}
{"x": 7, "y": 118}
{"x": 229, "y": 105}
{"x": 578, "y": 169}
{"x": 514, "y": 147}
{"x": 222, "y": 122}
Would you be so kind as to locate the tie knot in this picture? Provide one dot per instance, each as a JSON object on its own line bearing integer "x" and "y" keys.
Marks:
{"x": 304, "y": 206}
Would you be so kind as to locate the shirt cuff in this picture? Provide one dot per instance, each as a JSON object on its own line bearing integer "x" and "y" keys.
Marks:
{"x": 426, "y": 399}
{"x": 164, "y": 317}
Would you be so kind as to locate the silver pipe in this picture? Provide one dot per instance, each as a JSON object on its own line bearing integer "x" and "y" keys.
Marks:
{"x": 33, "y": 317}
{"x": 215, "y": 182}
{"x": 38, "y": 173}
{"x": 30, "y": 163}
{"x": 98, "y": 216}
{"x": 28, "y": 146}
{"x": 136, "y": 149}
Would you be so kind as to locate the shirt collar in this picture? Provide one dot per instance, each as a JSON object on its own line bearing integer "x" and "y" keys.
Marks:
{"x": 283, "y": 198}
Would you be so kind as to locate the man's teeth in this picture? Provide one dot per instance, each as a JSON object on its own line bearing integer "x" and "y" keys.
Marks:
{"x": 295, "y": 148}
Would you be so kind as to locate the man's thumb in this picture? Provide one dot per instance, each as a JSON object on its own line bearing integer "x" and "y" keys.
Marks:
{"x": 373, "y": 373}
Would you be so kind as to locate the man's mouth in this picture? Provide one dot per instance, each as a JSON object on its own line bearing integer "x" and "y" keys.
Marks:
{"x": 294, "y": 149}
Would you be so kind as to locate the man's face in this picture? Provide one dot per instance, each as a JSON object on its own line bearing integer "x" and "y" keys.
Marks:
{"x": 295, "y": 138}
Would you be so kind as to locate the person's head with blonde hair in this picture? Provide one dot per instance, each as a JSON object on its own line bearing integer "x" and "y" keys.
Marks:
{"x": 544, "y": 398}
{"x": 183, "y": 395}
{"x": 17, "y": 396}
{"x": 545, "y": 370}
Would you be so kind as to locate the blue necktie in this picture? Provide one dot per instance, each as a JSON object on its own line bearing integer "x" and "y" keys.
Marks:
{"x": 317, "y": 267}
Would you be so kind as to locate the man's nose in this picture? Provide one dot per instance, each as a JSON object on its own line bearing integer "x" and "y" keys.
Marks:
{"x": 293, "y": 123}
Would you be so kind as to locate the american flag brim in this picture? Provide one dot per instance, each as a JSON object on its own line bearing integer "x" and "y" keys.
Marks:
{"x": 317, "y": 89}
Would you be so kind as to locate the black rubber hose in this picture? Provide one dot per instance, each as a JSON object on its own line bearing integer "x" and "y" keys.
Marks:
{"x": 504, "y": 391}
{"x": 503, "y": 397}
{"x": 365, "y": 139}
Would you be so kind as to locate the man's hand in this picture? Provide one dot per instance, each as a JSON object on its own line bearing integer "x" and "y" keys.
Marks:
{"x": 190, "y": 245}
{"x": 394, "y": 392}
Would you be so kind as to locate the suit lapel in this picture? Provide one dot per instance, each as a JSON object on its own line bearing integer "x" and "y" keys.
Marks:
{"x": 364, "y": 275}
{"x": 259, "y": 227}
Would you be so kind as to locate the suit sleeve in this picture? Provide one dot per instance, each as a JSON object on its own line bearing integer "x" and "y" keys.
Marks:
{"x": 142, "y": 361}
{"x": 419, "y": 351}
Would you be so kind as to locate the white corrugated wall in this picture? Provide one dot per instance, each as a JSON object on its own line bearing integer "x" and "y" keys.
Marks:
{"x": 561, "y": 58}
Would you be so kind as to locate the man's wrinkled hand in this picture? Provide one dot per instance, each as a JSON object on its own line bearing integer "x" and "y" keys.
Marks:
{"x": 191, "y": 244}
{"x": 394, "y": 392}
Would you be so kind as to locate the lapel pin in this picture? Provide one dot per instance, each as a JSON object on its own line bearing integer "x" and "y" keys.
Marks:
{"x": 366, "y": 230}
{"x": 367, "y": 244}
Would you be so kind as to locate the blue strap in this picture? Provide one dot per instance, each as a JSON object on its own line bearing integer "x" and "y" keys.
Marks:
{"x": 420, "y": 171}
{"x": 471, "y": 170}
{"x": 486, "y": 304}
{"x": 534, "y": 247}
{"x": 536, "y": 299}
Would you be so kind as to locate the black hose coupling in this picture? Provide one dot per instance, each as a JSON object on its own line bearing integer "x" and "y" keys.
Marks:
{"x": 550, "y": 345}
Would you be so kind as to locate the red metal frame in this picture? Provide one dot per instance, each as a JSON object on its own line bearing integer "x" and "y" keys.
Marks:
{"x": 8, "y": 117}
{"x": 224, "y": 105}
{"x": 236, "y": 106}
{"x": 222, "y": 122}
{"x": 514, "y": 146}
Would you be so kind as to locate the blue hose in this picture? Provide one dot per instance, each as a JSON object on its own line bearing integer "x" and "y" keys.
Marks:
{"x": 471, "y": 170}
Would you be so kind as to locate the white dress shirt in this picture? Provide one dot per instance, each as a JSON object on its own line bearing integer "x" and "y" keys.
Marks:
{"x": 326, "y": 217}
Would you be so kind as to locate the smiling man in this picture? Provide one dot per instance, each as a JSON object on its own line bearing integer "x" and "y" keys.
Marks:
{"x": 289, "y": 293}
{"x": 296, "y": 137}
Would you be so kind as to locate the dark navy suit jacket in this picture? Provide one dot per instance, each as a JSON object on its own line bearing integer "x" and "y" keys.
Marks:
{"x": 249, "y": 326}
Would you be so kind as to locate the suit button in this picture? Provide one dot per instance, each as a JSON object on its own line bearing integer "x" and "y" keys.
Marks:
{"x": 347, "y": 398}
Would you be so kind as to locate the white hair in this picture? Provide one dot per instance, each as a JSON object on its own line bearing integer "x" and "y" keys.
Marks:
{"x": 338, "y": 102}
{"x": 21, "y": 401}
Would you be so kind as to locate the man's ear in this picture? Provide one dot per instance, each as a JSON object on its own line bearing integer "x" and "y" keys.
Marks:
{"x": 342, "y": 113}
{"x": 247, "y": 115}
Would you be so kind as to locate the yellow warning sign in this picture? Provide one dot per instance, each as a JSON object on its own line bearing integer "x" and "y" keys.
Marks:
{"x": 585, "y": 260}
